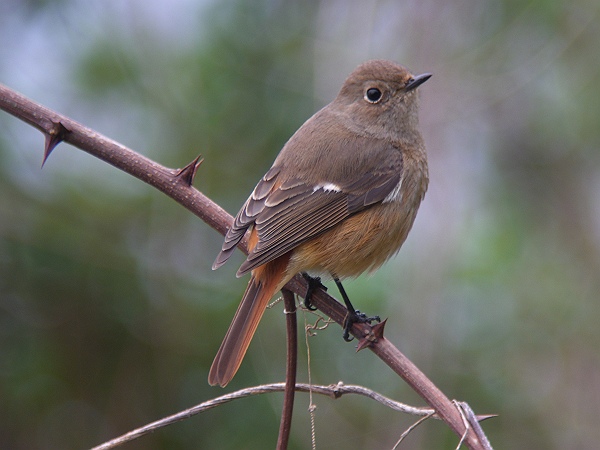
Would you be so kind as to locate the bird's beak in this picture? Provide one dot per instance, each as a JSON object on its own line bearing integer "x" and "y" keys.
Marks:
{"x": 417, "y": 81}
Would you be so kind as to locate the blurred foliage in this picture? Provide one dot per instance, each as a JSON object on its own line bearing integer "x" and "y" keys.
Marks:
{"x": 109, "y": 313}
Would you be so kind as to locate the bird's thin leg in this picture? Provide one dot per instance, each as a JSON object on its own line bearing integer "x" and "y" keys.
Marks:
{"x": 354, "y": 316}
{"x": 314, "y": 283}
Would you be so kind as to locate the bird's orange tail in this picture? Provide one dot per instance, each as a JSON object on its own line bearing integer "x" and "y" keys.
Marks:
{"x": 265, "y": 279}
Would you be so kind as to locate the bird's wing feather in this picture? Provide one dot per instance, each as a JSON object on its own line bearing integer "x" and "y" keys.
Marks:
{"x": 287, "y": 212}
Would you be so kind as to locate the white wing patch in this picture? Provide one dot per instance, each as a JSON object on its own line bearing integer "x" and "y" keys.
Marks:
{"x": 328, "y": 187}
{"x": 396, "y": 194}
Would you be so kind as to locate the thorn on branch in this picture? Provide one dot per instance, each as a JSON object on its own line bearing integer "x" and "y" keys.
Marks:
{"x": 372, "y": 336}
{"x": 188, "y": 173}
{"x": 54, "y": 136}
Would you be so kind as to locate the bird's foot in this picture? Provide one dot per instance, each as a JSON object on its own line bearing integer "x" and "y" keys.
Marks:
{"x": 356, "y": 317}
{"x": 314, "y": 283}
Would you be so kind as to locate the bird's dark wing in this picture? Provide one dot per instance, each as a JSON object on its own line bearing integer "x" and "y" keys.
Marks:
{"x": 285, "y": 214}
{"x": 245, "y": 218}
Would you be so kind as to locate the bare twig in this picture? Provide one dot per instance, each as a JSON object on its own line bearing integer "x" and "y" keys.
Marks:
{"x": 409, "y": 429}
{"x": 177, "y": 185}
{"x": 474, "y": 423}
{"x": 290, "y": 372}
{"x": 332, "y": 391}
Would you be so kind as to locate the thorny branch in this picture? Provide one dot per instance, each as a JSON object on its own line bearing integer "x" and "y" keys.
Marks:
{"x": 177, "y": 184}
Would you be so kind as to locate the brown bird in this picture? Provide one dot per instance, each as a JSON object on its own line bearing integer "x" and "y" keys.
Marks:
{"x": 340, "y": 198}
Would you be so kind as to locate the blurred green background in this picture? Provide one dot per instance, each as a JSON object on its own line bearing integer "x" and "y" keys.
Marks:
{"x": 109, "y": 313}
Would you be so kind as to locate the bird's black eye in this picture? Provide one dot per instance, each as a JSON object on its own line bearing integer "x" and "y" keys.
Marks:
{"x": 373, "y": 95}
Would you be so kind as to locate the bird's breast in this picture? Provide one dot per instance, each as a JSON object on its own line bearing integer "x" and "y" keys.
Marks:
{"x": 364, "y": 241}
{"x": 361, "y": 243}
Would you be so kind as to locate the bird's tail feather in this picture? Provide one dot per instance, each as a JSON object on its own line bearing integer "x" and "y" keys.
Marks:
{"x": 261, "y": 288}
